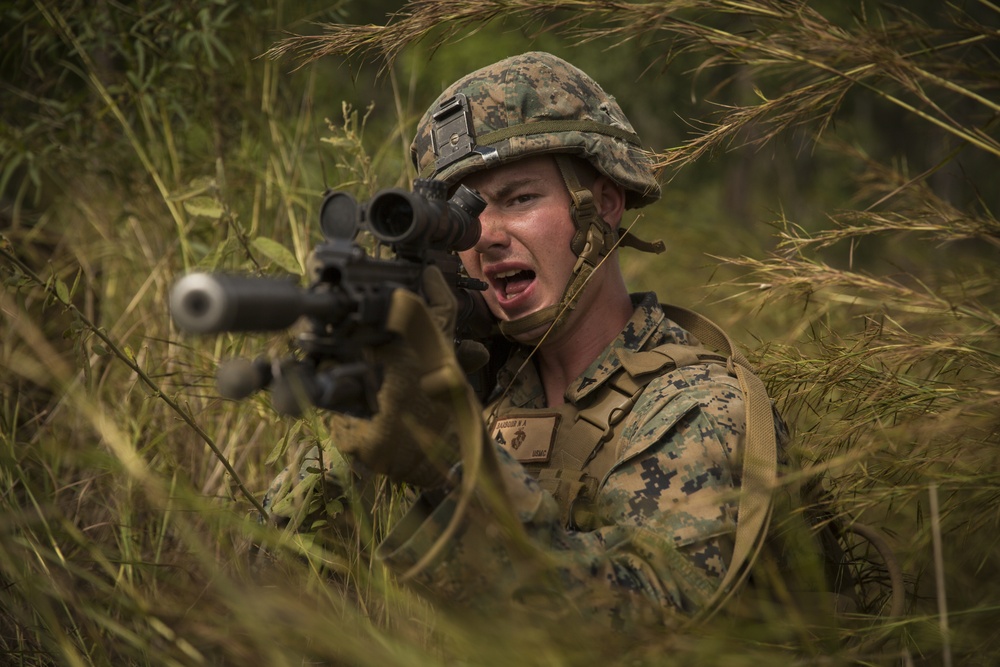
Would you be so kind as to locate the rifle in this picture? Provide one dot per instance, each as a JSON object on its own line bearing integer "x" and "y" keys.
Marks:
{"x": 347, "y": 300}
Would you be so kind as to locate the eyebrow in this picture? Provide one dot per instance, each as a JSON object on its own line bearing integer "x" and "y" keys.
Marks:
{"x": 509, "y": 187}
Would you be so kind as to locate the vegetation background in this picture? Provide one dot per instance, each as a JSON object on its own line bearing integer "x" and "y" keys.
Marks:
{"x": 830, "y": 196}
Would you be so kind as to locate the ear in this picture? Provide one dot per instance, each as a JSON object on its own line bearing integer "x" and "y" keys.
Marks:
{"x": 609, "y": 197}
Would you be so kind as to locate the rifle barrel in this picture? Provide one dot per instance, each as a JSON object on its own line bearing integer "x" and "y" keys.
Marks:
{"x": 214, "y": 303}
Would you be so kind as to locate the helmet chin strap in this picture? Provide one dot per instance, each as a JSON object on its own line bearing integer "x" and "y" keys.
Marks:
{"x": 593, "y": 240}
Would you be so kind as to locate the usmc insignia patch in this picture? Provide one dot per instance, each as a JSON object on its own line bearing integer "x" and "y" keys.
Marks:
{"x": 528, "y": 439}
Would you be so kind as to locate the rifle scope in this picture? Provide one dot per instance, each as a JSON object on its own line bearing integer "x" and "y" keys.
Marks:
{"x": 406, "y": 219}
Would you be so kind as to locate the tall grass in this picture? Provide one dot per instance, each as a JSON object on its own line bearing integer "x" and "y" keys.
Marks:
{"x": 129, "y": 488}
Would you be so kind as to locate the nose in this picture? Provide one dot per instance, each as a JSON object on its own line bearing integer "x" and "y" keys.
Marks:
{"x": 494, "y": 232}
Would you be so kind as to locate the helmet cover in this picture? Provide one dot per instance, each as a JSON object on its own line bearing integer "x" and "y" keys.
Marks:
{"x": 530, "y": 104}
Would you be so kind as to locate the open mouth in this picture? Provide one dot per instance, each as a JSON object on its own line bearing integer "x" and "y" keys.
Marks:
{"x": 511, "y": 283}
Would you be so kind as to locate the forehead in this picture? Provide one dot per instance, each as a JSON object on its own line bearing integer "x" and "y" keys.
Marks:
{"x": 534, "y": 169}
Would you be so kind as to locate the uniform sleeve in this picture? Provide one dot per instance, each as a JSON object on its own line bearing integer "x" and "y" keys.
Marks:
{"x": 663, "y": 529}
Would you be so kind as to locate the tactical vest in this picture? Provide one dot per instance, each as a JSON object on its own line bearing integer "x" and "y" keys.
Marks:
{"x": 571, "y": 449}
{"x": 573, "y": 460}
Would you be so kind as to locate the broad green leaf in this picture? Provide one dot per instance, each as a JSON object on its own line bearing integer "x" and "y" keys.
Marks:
{"x": 277, "y": 452}
{"x": 207, "y": 207}
{"x": 334, "y": 508}
{"x": 277, "y": 253}
{"x": 282, "y": 445}
{"x": 62, "y": 291}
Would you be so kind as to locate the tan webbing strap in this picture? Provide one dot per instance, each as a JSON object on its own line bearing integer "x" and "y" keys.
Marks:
{"x": 593, "y": 426}
{"x": 760, "y": 456}
{"x": 516, "y": 328}
{"x": 566, "y": 486}
{"x": 489, "y": 140}
{"x": 630, "y": 240}
{"x": 547, "y": 126}
{"x": 594, "y": 237}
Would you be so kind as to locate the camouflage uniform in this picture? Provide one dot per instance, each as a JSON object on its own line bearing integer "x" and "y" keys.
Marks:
{"x": 662, "y": 518}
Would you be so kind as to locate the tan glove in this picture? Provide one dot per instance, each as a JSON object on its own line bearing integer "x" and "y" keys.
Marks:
{"x": 424, "y": 399}
{"x": 443, "y": 307}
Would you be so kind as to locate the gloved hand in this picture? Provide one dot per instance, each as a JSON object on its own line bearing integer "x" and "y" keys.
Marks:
{"x": 425, "y": 405}
{"x": 443, "y": 308}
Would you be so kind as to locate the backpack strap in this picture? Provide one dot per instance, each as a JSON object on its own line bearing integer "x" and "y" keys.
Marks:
{"x": 760, "y": 456}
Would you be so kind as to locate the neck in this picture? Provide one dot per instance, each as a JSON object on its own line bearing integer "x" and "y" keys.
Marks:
{"x": 565, "y": 356}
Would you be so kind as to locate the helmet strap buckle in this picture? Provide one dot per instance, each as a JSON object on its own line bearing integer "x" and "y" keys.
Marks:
{"x": 594, "y": 237}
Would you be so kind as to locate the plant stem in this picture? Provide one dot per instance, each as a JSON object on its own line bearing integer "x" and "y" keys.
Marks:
{"x": 130, "y": 361}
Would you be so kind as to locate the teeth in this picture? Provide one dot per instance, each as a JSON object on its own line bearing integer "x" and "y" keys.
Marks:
{"x": 506, "y": 274}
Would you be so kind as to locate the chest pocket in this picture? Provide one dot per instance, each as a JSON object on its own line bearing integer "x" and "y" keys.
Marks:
{"x": 571, "y": 449}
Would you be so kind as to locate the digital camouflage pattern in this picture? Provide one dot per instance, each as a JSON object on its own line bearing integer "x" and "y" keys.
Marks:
{"x": 308, "y": 497}
{"x": 535, "y": 88}
{"x": 665, "y": 514}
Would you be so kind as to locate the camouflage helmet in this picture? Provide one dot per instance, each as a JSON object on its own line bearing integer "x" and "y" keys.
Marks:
{"x": 526, "y": 105}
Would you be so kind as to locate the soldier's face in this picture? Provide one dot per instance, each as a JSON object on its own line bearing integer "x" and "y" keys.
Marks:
{"x": 524, "y": 252}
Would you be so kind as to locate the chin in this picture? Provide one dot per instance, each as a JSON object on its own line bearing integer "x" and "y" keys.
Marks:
{"x": 533, "y": 336}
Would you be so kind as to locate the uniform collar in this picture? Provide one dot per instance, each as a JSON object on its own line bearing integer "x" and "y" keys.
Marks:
{"x": 641, "y": 329}
{"x": 647, "y": 328}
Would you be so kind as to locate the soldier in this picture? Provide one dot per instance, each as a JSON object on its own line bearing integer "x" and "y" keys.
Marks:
{"x": 602, "y": 474}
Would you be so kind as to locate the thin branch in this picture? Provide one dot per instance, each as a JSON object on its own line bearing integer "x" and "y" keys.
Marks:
{"x": 130, "y": 361}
